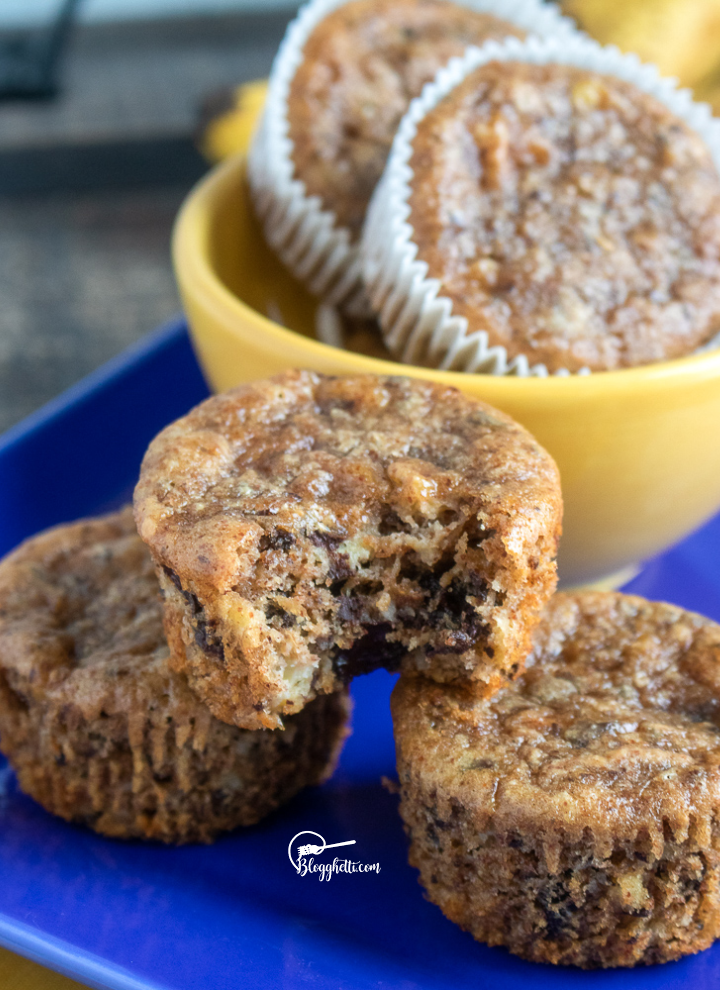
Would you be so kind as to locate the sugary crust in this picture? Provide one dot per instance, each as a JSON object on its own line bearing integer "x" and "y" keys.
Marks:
{"x": 96, "y": 726}
{"x": 309, "y": 528}
{"x": 582, "y": 801}
{"x": 362, "y": 66}
{"x": 569, "y": 215}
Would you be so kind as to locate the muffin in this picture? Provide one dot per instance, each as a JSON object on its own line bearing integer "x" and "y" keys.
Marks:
{"x": 307, "y": 529}
{"x": 340, "y": 85}
{"x": 361, "y": 66}
{"x": 564, "y": 215}
{"x": 573, "y": 817}
{"x": 99, "y": 730}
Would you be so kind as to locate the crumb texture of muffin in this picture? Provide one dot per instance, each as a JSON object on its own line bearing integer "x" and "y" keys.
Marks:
{"x": 362, "y": 65}
{"x": 97, "y": 727}
{"x": 569, "y": 215}
{"x": 573, "y": 817}
{"x": 308, "y": 529}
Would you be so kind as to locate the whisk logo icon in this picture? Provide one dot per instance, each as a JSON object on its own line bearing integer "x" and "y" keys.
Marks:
{"x": 302, "y": 853}
{"x": 311, "y": 848}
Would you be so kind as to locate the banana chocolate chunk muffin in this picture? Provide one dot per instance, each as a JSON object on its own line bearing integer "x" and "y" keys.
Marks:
{"x": 361, "y": 67}
{"x": 307, "y": 529}
{"x": 574, "y": 816}
{"x": 568, "y": 215}
{"x": 97, "y": 727}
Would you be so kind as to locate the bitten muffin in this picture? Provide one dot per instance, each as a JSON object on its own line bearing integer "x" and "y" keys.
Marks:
{"x": 568, "y": 215}
{"x": 362, "y": 64}
{"x": 574, "y": 817}
{"x": 308, "y": 529}
{"x": 96, "y": 726}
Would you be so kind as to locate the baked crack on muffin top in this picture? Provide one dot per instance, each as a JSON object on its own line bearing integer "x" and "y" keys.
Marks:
{"x": 570, "y": 215}
{"x": 574, "y": 816}
{"x": 98, "y": 728}
{"x": 362, "y": 66}
{"x": 308, "y": 529}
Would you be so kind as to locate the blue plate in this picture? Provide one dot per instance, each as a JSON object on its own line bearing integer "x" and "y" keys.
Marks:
{"x": 236, "y": 914}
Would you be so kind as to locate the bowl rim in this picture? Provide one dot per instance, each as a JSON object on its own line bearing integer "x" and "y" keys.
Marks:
{"x": 197, "y": 277}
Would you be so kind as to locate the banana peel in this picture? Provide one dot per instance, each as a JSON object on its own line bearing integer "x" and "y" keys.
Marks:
{"x": 229, "y": 130}
{"x": 682, "y": 37}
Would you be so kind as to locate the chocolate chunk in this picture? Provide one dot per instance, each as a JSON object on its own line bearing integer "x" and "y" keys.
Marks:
{"x": 274, "y": 611}
{"x": 370, "y": 652}
{"x": 279, "y": 539}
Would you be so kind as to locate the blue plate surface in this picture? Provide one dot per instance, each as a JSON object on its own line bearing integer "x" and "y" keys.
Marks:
{"x": 236, "y": 914}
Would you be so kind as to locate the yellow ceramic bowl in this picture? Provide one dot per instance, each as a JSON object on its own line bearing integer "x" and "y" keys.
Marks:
{"x": 638, "y": 449}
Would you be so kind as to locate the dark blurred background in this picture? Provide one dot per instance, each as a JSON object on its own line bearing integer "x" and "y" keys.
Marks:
{"x": 97, "y": 151}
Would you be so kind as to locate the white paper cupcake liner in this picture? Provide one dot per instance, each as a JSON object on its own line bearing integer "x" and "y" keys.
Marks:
{"x": 416, "y": 319}
{"x": 329, "y": 326}
{"x": 305, "y": 235}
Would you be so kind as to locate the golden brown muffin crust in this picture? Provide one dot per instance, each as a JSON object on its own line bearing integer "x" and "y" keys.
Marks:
{"x": 97, "y": 727}
{"x": 570, "y": 215}
{"x": 309, "y": 528}
{"x": 362, "y": 65}
{"x": 595, "y": 776}
{"x": 615, "y": 722}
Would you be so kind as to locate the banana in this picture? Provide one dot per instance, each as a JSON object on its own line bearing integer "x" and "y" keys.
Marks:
{"x": 682, "y": 37}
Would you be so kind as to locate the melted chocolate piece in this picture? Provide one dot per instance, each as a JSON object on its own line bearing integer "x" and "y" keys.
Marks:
{"x": 340, "y": 568}
{"x": 205, "y": 635}
{"x": 555, "y": 901}
{"x": 369, "y": 653}
{"x": 279, "y": 539}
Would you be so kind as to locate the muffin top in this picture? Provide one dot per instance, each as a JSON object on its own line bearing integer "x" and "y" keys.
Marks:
{"x": 81, "y": 625}
{"x": 570, "y": 215}
{"x": 614, "y": 726}
{"x": 343, "y": 463}
{"x": 311, "y": 529}
{"x": 362, "y": 66}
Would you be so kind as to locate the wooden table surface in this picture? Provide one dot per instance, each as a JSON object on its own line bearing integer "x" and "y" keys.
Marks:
{"x": 85, "y": 269}
{"x": 17, "y": 973}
